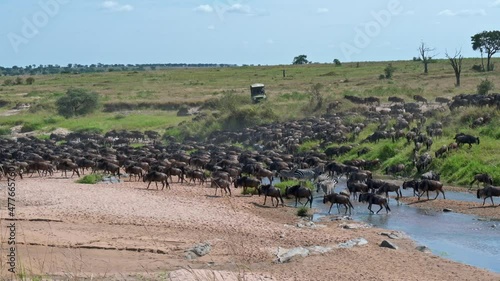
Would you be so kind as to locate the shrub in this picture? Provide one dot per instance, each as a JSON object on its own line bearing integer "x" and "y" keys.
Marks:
{"x": 337, "y": 62}
{"x": 302, "y": 212}
{"x": 8, "y": 82}
{"x": 4, "y": 131}
{"x": 478, "y": 68}
{"x": 19, "y": 81}
{"x": 77, "y": 102}
{"x": 30, "y": 80}
{"x": 50, "y": 120}
{"x": 389, "y": 71}
{"x": 484, "y": 87}
{"x": 119, "y": 116}
{"x": 90, "y": 179}
{"x": 29, "y": 127}
{"x": 381, "y": 77}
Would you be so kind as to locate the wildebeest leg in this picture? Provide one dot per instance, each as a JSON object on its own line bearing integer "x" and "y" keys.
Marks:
{"x": 148, "y": 184}
{"x": 346, "y": 207}
{"x": 330, "y": 210}
{"x": 156, "y": 183}
{"x": 492, "y": 204}
{"x": 370, "y": 207}
{"x": 381, "y": 207}
{"x": 296, "y": 201}
{"x": 265, "y": 198}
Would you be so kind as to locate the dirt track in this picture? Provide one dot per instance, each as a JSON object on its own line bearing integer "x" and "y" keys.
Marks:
{"x": 125, "y": 232}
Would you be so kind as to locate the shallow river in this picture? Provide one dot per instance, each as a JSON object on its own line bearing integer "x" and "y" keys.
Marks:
{"x": 463, "y": 238}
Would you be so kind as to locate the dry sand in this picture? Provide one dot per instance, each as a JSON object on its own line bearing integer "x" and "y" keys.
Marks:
{"x": 69, "y": 231}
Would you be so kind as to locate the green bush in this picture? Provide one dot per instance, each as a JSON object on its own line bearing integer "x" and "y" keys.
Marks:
{"x": 389, "y": 71}
{"x": 77, "y": 102}
{"x": 50, "y": 120}
{"x": 30, "y": 127}
{"x": 30, "y": 80}
{"x": 484, "y": 87}
{"x": 302, "y": 212}
{"x": 90, "y": 179}
{"x": 4, "y": 131}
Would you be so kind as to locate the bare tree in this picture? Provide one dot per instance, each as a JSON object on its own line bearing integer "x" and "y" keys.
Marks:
{"x": 425, "y": 55}
{"x": 456, "y": 63}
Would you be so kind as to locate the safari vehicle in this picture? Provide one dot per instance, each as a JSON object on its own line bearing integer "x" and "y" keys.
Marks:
{"x": 257, "y": 92}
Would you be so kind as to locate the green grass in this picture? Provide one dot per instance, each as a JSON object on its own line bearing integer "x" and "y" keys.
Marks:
{"x": 145, "y": 120}
{"x": 224, "y": 94}
{"x": 90, "y": 179}
{"x": 302, "y": 211}
{"x": 282, "y": 185}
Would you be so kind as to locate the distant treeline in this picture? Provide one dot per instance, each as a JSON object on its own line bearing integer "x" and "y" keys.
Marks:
{"x": 80, "y": 68}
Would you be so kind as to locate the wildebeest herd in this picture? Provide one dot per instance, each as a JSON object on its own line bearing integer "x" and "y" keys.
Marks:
{"x": 274, "y": 153}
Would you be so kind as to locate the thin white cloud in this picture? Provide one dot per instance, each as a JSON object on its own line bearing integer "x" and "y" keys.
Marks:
{"x": 204, "y": 8}
{"x": 117, "y": 7}
{"x": 495, "y": 3}
{"x": 466, "y": 12}
{"x": 238, "y": 8}
{"x": 211, "y": 27}
{"x": 322, "y": 10}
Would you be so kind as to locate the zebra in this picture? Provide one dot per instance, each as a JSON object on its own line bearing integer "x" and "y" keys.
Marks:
{"x": 308, "y": 174}
{"x": 285, "y": 174}
{"x": 302, "y": 174}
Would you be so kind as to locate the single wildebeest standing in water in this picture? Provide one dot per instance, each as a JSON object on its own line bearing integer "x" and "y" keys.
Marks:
{"x": 484, "y": 178}
{"x": 300, "y": 192}
{"x": 372, "y": 198}
{"x": 488, "y": 191}
{"x": 338, "y": 199}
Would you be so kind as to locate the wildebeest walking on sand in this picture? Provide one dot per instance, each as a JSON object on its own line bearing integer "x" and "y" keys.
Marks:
{"x": 488, "y": 191}
{"x": 271, "y": 191}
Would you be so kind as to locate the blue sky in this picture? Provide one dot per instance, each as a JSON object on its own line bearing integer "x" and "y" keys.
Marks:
{"x": 236, "y": 31}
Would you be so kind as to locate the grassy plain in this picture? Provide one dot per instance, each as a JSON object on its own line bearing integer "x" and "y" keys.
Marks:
{"x": 224, "y": 95}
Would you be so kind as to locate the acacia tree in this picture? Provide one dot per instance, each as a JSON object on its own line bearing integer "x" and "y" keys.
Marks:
{"x": 77, "y": 102}
{"x": 301, "y": 59}
{"x": 425, "y": 55}
{"x": 456, "y": 63}
{"x": 488, "y": 42}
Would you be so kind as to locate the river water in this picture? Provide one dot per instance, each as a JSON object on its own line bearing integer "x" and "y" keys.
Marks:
{"x": 459, "y": 237}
